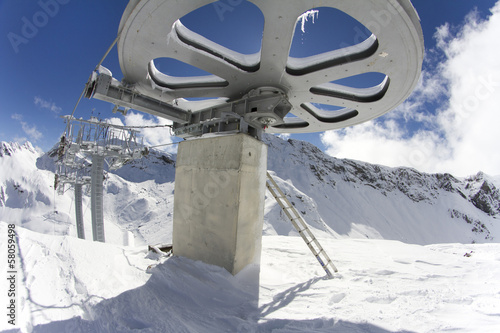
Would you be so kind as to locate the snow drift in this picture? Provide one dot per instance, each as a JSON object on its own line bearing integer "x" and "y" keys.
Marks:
{"x": 380, "y": 225}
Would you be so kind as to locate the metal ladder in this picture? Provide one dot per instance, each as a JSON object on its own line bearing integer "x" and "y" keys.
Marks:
{"x": 301, "y": 226}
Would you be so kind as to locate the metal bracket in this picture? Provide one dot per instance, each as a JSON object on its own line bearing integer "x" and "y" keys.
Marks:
{"x": 106, "y": 88}
{"x": 251, "y": 114}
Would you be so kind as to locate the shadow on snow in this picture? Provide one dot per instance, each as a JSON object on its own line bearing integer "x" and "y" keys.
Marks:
{"x": 190, "y": 296}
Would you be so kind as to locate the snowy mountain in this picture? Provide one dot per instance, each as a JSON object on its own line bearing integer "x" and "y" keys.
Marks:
{"x": 365, "y": 215}
{"x": 338, "y": 198}
{"x": 356, "y": 199}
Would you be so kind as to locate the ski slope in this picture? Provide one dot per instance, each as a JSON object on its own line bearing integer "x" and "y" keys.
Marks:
{"x": 365, "y": 217}
{"x": 70, "y": 285}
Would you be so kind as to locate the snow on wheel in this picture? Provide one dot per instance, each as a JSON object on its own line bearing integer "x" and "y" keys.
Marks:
{"x": 153, "y": 29}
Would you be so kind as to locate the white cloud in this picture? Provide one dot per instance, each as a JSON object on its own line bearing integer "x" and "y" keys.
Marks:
{"x": 284, "y": 136}
{"x": 153, "y": 136}
{"x": 462, "y": 135}
{"x": 17, "y": 116}
{"x": 30, "y": 131}
{"x": 20, "y": 139}
{"x": 40, "y": 102}
{"x": 115, "y": 121}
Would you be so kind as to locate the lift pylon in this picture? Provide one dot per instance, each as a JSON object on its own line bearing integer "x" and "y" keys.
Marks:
{"x": 268, "y": 91}
{"x": 82, "y": 152}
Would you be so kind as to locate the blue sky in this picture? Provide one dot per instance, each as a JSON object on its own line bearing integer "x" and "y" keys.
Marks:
{"x": 50, "y": 47}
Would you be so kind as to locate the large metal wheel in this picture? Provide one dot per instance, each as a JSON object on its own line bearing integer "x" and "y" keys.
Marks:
{"x": 150, "y": 29}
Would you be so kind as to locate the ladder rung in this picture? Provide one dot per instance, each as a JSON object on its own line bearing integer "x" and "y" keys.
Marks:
{"x": 308, "y": 233}
{"x": 311, "y": 241}
{"x": 317, "y": 253}
{"x": 319, "y": 250}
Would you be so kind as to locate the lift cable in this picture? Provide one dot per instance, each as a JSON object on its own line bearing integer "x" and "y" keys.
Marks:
{"x": 165, "y": 144}
{"x": 150, "y": 126}
{"x": 95, "y": 70}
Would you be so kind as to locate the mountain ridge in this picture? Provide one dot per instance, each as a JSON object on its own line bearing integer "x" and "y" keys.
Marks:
{"x": 338, "y": 197}
{"x": 484, "y": 196}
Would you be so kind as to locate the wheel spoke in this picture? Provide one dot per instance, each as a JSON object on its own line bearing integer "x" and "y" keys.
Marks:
{"x": 280, "y": 18}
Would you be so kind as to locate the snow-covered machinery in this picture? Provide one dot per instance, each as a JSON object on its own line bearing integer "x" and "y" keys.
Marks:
{"x": 268, "y": 91}
{"x": 253, "y": 93}
{"x": 83, "y": 150}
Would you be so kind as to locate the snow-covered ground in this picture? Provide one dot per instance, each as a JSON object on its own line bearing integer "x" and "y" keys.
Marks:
{"x": 71, "y": 285}
{"x": 402, "y": 241}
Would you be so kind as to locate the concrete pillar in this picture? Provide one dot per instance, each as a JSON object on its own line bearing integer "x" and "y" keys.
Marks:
{"x": 219, "y": 200}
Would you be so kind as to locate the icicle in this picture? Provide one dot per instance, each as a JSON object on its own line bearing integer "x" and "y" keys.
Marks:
{"x": 304, "y": 17}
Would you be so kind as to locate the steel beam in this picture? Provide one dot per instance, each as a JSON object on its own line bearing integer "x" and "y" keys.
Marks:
{"x": 104, "y": 89}
{"x": 96, "y": 198}
{"x": 80, "y": 230}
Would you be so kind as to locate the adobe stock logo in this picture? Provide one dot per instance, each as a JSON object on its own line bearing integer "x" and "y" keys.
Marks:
{"x": 221, "y": 7}
{"x": 30, "y": 27}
